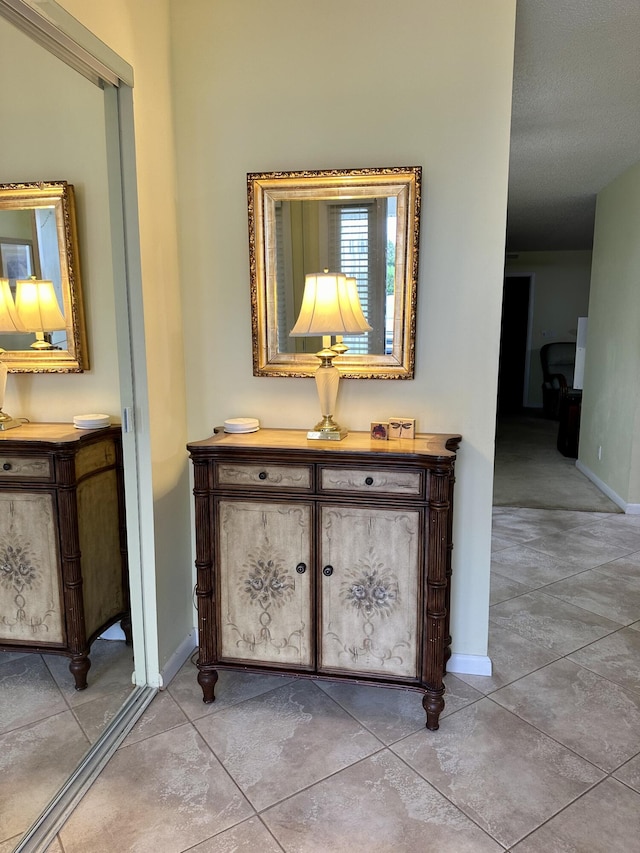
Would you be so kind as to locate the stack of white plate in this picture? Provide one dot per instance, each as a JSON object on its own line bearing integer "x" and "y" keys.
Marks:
{"x": 91, "y": 421}
{"x": 242, "y": 425}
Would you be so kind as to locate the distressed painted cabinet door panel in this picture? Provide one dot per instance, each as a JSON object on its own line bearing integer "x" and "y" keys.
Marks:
{"x": 30, "y": 588}
{"x": 370, "y": 597}
{"x": 265, "y": 581}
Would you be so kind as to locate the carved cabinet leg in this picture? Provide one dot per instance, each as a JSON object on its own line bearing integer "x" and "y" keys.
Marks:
{"x": 79, "y": 667}
{"x": 207, "y": 680}
{"x": 433, "y": 704}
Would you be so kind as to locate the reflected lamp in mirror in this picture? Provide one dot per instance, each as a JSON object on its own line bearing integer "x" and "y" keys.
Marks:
{"x": 9, "y": 322}
{"x": 330, "y": 306}
{"x": 38, "y": 311}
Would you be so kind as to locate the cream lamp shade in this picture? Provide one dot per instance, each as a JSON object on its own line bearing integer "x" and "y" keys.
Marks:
{"x": 330, "y": 306}
{"x": 9, "y": 320}
{"x": 38, "y": 309}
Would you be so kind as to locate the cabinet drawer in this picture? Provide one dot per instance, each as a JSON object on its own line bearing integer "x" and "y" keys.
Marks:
{"x": 25, "y": 467}
{"x": 371, "y": 481}
{"x": 252, "y": 475}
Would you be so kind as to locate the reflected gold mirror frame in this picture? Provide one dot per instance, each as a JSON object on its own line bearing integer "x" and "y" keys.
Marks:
{"x": 267, "y": 191}
{"x": 59, "y": 196}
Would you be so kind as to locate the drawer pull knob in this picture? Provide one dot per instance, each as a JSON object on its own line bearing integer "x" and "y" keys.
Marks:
{"x": 369, "y": 481}
{"x": 301, "y": 568}
{"x": 327, "y": 571}
{"x": 6, "y": 466}
{"x": 262, "y": 475}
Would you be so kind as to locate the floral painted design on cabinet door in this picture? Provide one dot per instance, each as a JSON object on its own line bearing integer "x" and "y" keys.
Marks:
{"x": 370, "y": 599}
{"x": 265, "y": 600}
{"x": 29, "y": 575}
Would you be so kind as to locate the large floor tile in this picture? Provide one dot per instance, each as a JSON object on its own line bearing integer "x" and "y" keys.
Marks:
{"x": 587, "y": 713}
{"x": 526, "y": 524}
{"x": 503, "y": 773}
{"x": 617, "y": 599}
{"x": 529, "y": 567}
{"x": 283, "y": 741}
{"x": 605, "y": 820}
{"x": 231, "y": 688}
{"x": 162, "y": 714}
{"x": 391, "y": 713}
{"x": 624, "y": 568}
{"x": 616, "y": 657}
{"x": 166, "y": 793}
{"x": 27, "y": 692}
{"x": 621, "y": 535}
{"x": 629, "y": 773}
{"x": 550, "y": 622}
{"x": 579, "y": 548}
{"x": 378, "y": 805}
{"x": 248, "y": 837}
{"x": 512, "y": 657}
{"x": 504, "y": 588}
{"x": 34, "y": 762}
{"x": 110, "y": 671}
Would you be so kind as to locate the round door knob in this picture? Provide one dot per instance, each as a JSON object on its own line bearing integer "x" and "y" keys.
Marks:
{"x": 301, "y": 568}
{"x": 262, "y": 475}
{"x": 369, "y": 481}
{"x": 6, "y": 466}
{"x": 327, "y": 571}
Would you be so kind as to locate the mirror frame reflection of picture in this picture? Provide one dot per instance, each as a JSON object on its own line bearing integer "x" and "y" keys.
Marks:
{"x": 292, "y": 233}
{"x": 39, "y": 220}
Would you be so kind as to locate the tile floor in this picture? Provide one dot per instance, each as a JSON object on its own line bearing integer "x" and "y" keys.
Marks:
{"x": 542, "y": 756}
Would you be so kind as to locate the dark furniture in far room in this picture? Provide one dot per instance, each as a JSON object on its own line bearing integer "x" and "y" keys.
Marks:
{"x": 558, "y": 361}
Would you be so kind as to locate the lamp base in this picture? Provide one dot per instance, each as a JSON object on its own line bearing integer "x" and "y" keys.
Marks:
{"x": 328, "y": 434}
{"x": 7, "y": 422}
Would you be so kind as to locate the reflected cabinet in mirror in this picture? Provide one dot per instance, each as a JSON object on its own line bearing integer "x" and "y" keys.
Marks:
{"x": 364, "y": 223}
{"x": 39, "y": 256}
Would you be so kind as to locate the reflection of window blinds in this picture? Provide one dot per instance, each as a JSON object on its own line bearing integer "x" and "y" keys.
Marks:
{"x": 349, "y": 241}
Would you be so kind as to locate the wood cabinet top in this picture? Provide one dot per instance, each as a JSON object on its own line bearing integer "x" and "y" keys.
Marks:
{"x": 37, "y": 433}
{"x": 439, "y": 445}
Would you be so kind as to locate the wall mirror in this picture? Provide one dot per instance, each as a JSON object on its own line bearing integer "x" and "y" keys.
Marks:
{"x": 38, "y": 237}
{"x": 362, "y": 222}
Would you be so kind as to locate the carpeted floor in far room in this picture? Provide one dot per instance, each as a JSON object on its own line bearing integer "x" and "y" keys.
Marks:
{"x": 531, "y": 472}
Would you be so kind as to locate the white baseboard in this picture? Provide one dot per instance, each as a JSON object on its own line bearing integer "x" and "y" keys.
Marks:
{"x": 630, "y": 509}
{"x": 177, "y": 659}
{"x": 469, "y": 664}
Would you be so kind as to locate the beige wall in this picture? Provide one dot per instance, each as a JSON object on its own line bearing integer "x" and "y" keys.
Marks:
{"x": 290, "y": 85}
{"x": 430, "y": 86}
{"x": 560, "y": 294}
{"x": 138, "y": 30}
{"x": 611, "y": 411}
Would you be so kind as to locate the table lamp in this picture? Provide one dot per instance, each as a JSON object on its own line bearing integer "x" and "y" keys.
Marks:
{"x": 9, "y": 322}
{"x": 38, "y": 310}
{"x": 330, "y": 306}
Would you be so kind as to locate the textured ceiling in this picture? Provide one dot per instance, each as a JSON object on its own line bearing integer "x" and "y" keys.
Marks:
{"x": 576, "y": 116}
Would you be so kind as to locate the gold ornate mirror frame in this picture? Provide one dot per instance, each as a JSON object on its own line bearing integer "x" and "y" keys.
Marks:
{"x": 34, "y": 201}
{"x": 299, "y": 220}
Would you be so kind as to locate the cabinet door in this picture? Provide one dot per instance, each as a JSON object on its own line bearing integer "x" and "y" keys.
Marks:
{"x": 370, "y": 597}
{"x": 30, "y": 589}
{"x": 264, "y": 582}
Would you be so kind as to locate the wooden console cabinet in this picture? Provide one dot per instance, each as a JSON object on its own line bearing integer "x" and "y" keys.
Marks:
{"x": 63, "y": 554}
{"x": 325, "y": 559}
